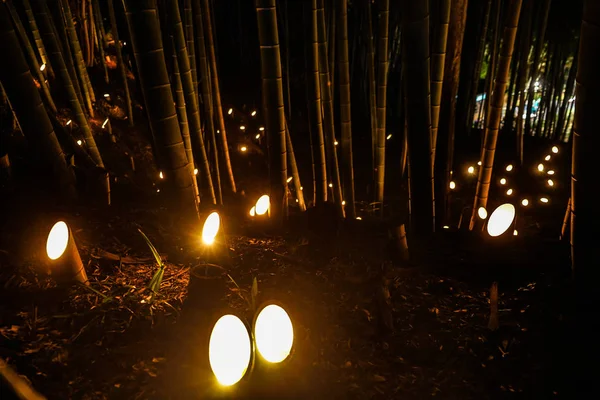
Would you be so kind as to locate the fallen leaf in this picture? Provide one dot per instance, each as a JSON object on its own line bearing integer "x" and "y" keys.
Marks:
{"x": 378, "y": 378}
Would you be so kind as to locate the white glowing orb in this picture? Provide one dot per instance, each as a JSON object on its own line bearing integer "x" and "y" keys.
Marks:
{"x": 253, "y": 113}
{"x": 503, "y": 181}
{"x": 544, "y": 200}
{"x": 43, "y": 67}
{"x": 106, "y": 95}
{"x": 509, "y": 168}
{"x": 547, "y": 158}
{"x": 540, "y": 167}
{"x": 335, "y": 143}
{"x": 242, "y": 128}
{"x": 479, "y": 163}
{"x": 452, "y": 185}
{"x": 515, "y": 233}
{"x": 243, "y": 148}
{"x": 274, "y": 333}
{"x": 262, "y": 128}
{"x": 79, "y": 142}
{"x": 554, "y": 149}
{"x": 359, "y": 218}
{"x": 104, "y": 123}
{"x": 230, "y": 111}
{"x": 253, "y": 211}
{"x": 331, "y": 185}
{"x": 501, "y": 219}
{"x": 509, "y": 192}
{"x": 550, "y": 172}
{"x": 160, "y": 175}
{"x": 550, "y": 182}
{"x": 388, "y": 137}
{"x": 229, "y": 350}
{"x": 195, "y": 171}
{"x": 57, "y": 240}
{"x": 343, "y": 202}
{"x": 289, "y": 179}
{"x": 471, "y": 170}
{"x": 211, "y": 228}
{"x": 257, "y": 136}
{"x": 482, "y": 212}
{"x": 69, "y": 122}
{"x": 524, "y": 202}
{"x": 446, "y": 227}
{"x": 263, "y": 204}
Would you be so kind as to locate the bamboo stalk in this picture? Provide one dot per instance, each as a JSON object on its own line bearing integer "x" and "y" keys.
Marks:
{"x": 101, "y": 35}
{"x": 294, "y": 169}
{"x": 372, "y": 90}
{"x": 35, "y": 33}
{"x": 565, "y": 220}
{"x": 382, "y": 75}
{"x": 180, "y": 106}
{"x": 188, "y": 18}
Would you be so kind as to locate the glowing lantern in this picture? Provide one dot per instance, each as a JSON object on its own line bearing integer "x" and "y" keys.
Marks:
{"x": 452, "y": 185}
{"x": 540, "y": 167}
{"x": 524, "y": 202}
{"x": 273, "y": 333}
{"x": 262, "y": 205}
{"x": 509, "y": 192}
{"x": 509, "y": 168}
{"x": 195, "y": 171}
{"x": 262, "y": 128}
{"x": 106, "y": 95}
{"x": 211, "y": 228}
{"x": 471, "y": 170}
{"x": 242, "y": 128}
{"x": 343, "y": 202}
{"x": 253, "y": 113}
{"x": 253, "y": 211}
{"x": 482, "y": 212}
{"x": 243, "y": 148}
{"x": 289, "y": 179}
{"x": 104, "y": 123}
{"x": 479, "y": 163}
{"x": 501, "y": 219}
{"x": 550, "y": 182}
{"x": 230, "y": 111}
{"x": 446, "y": 227}
{"x": 68, "y": 122}
{"x": 65, "y": 262}
{"x": 554, "y": 149}
{"x": 547, "y": 158}
{"x": 544, "y": 199}
{"x": 79, "y": 142}
{"x": 515, "y": 233}
{"x": 229, "y": 350}
{"x": 43, "y": 67}
{"x": 335, "y": 143}
{"x": 257, "y": 136}
{"x": 160, "y": 175}
{"x": 388, "y": 137}
{"x": 331, "y": 185}
{"x": 503, "y": 181}
{"x": 550, "y": 172}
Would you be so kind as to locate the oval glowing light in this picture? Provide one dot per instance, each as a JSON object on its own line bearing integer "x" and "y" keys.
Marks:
{"x": 509, "y": 168}
{"x": 509, "y": 192}
{"x": 262, "y": 204}
{"x": 550, "y": 182}
{"x": 554, "y": 149}
{"x": 471, "y": 170}
{"x": 501, "y": 219}
{"x": 503, "y": 181}
{"x": 253, "y": 211}
{"x": 540, "y": 167}
{"x": 211, "y": 228}
{"x": 482, "y": 212}
{"x": 58, "y": 238}
{"x": 544, "y": 199}
{"x": 524, "y": 202}
{"x": 274, "y": 333}
{"x": 550, "y": 172}
{"x": 229, "y": 350}
{"x": 452, "y": 185}
{"x": 547, "y": 158}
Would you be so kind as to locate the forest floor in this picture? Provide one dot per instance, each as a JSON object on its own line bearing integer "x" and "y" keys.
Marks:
{"x": 76, "y": 344}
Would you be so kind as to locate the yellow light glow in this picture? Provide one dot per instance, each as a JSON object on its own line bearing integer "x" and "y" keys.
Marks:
{"x": 509, "y": 192}
{"x": 482, "y": 212}
{"x": 550, "y": 172}
{"x": 446, "y": 227}
{"x": 524, "y": 202}
{"x": 452, "y": 185}
{"x": 243, "y": 148}
{"x": 106, "y": 95}
{"x": 195, "y": 171}
{"x": 343, "y": 202}
{"x": 262, "y": 128}
{"x": 509, "y": 168}
{"x": 211, "y": 228}
{"x": 43, "y": 67}
{"x": 160, "y": 175}
{"x": 229, "y": 350}
{"x": 515, "y": 233}
{"x": 471, "y": 170}
{"x": 554, "y": 149}
{"x": 274, "y": 333}
{"x": 547, "y": 158}
{"x": 263, "y": 204}
{"x": 157, "y": 190}
{"x": 388, "y": 137}
{"x": 550, "y": 182}
{"x": 331, "y": 185}
{"x": 544, "y": 200}
{"x": 335, "y": 143}
{"x": 479, "y": 163}
{"x": 503, "y": 181}
{"x": 253, "y": 113}
{"x": 540, "y": 167}
{"x": 79, "y": 142}
{"x": 230, "y": 111}
{"x": 242, "y": 128}
{"x": 301, "y": 188}
{"x": 105, "y": 122}
{"x": 257, "y": 136}
{"x": 501, "y": 219}
{"x": 69, "y": 122}
{"x": 253, "y": 211}
{"x": 58, "y": 238}
{"x": 359, "y": 218}
{"x": 289, "y": 179}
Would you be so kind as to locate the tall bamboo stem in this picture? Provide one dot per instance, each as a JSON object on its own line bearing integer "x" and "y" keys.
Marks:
{"x": 382, "y": 75}
{"x": 120, "y": 62}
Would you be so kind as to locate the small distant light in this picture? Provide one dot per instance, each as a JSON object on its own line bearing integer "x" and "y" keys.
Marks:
{"x": 482, "y": 212}
{"x": 106, "y": 95}
{"x": 230, "y": 111}
{"x": 544, "y": 200}
{"x": 79, "y": 142}
{"x": 389, "y": 137}
{"x": 253, "y": 211}
{"x": 157, "y": 190}
{"x": 509, "y": 192}
{"x": 242, "y": 128}
{"x": 124, "y": 43}
{"x": 297, "y": 201}
{"x": 446, "y": 227}
{"x": 554, "y": 149}
{"x": 515, "y": 233}
{"x": 550, "y": 182}
{"x": 509, "y": 168}
{"x": 524, "y": 202}
{"x": 69, "y": 122}
{"x": 218, "y": 131}
{"x": 257, "y": 136}
{"x": 550, "y": 172}
{"x": 253, "y": 113}
{"x": 343, "y": 202}
{"x": 331, "y": 185}
{"x": 335, "y": 143}
{"x": 105, "y": 122}
{"x": 503, "y": 181}
{"x": 195, "y": 171}
{"x": 160, "y": 175}
{"x": 301, "y": 188}
{"x": 262, "y": 128}
{"x": 451, "y": 172}
{"x": 471, "y": 170}
{"x": 547, "y": 158}
{"x": 290, "y": 179}
{"x": 43, "y": 67}
{"x": 540, "y": 167}
{"x": 452, "y": 185}
{"x": 243, "y": 148}
{"x": 359, "y": 218}
{"x": 479, "y": 163}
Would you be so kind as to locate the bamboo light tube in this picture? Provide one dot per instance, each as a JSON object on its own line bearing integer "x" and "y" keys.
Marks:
{"x": 64, "y": 263}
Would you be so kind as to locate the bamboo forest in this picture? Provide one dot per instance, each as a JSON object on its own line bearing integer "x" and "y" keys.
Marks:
{"x": 299, "y": 199}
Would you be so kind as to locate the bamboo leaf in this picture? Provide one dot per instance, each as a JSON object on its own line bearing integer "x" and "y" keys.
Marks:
{"x": 254, "y": 292}
{"x": 153, "y": 249}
